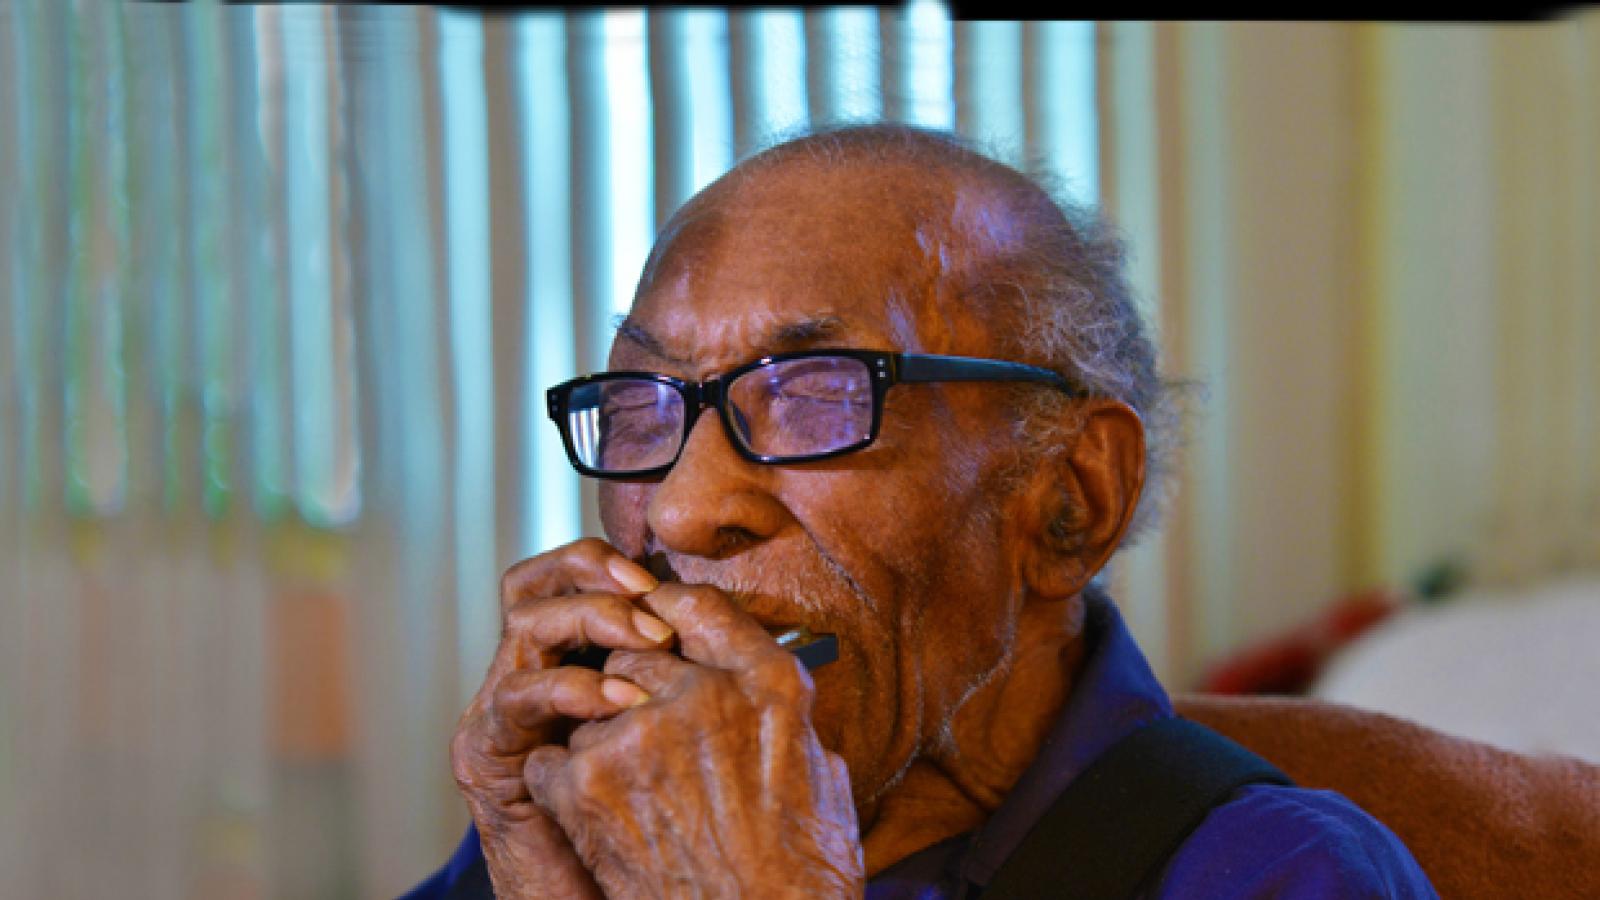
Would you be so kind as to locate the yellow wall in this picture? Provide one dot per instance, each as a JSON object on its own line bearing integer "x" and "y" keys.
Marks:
{"x": 1376, "y": 245}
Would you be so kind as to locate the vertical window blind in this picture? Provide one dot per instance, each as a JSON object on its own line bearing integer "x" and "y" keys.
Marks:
{"x": 280, "y": 290}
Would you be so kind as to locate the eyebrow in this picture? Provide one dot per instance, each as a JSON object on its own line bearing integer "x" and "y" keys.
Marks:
{"x": 633, "y": 332}
{"x": 794, "y": 335}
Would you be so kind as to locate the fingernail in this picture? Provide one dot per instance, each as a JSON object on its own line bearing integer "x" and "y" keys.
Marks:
{"x": 650, "y": 626}
{"x": 623, "y": 693}
{"x": 631, "y": 575}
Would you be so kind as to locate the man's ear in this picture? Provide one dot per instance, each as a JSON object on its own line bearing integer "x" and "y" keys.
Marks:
{"x": 1080, "y": 500}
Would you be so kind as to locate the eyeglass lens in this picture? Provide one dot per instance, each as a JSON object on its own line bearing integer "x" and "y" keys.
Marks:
{"x": 791, "y": 408}
{"x": 625, "y": 425}
{"x": 802, "y": 407}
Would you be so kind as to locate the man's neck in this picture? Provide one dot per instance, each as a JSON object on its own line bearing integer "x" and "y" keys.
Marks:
{"x": 994, "y": 736}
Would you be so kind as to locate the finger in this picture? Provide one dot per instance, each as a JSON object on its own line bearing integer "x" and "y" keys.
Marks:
{"x": 712, "y": 629}
{"x": 656, "y": 671}
{"x": 551, "y": 624}
{"x": 837, "y": 784}
{"x": 626, "y": 737}
{"x": 526, "y": 704}
{"x": 589, "y": 564}
{"x": 589, "y": 734}
{"x": 547, "y": 773}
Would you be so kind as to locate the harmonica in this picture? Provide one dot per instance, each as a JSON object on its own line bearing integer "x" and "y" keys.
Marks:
{"x": 813, "y": 650}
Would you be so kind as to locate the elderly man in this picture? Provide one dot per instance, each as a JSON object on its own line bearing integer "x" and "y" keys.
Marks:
{"x": 878, "y": 385}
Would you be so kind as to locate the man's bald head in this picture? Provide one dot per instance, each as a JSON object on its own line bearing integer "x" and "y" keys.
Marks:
{"x": 1043, "y": 278}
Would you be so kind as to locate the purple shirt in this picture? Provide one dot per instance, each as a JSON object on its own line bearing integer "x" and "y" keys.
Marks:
{"x": 1266, "y": 841}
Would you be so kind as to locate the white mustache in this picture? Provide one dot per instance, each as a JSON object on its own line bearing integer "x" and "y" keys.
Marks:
{"x": 773, "y": 583}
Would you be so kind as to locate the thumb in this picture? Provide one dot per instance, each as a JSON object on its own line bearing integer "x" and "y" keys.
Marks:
{"x": 546, "y": 774}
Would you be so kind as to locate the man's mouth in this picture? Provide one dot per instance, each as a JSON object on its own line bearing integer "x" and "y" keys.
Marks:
{"x": 813, "y": 649}
{"x": 658, "y": 565}
{"x": 759, "y": 605}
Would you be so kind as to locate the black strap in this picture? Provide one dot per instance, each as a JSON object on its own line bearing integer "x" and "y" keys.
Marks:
{"x": 1118, "y": 822}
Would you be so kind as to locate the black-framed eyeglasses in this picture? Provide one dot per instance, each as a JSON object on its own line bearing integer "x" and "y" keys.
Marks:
{"x": 785, "y": 408}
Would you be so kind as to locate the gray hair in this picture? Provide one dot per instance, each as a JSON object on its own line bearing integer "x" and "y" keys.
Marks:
{"x": 1067, "y": 286}
{"x": 1082, "y": 321}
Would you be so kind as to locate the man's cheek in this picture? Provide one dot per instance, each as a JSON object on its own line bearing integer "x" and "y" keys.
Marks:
{"x": 622, "y": 508}
{"x": 837, "y": 697}
{"x": 857, "y": 704}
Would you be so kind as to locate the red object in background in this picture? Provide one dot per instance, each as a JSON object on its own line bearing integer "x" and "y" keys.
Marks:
{"x": 1288, "y": 663}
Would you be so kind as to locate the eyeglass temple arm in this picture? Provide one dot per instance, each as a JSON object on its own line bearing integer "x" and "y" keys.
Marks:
{"x": 920, "y": 367}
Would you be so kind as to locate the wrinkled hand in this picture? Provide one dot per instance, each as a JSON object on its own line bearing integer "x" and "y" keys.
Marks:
{"x": 583, "y": 593}
{"x": 715, "y": 787}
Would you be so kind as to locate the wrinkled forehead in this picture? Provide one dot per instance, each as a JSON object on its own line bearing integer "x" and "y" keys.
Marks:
{"x": 871, "y": 257}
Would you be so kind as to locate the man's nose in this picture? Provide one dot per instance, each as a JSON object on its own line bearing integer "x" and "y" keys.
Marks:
{"x": 713, "y": 503}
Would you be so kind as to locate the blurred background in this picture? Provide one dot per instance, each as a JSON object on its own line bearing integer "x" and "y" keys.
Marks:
{"x": 281, "y": 288}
